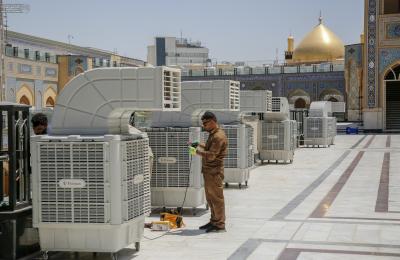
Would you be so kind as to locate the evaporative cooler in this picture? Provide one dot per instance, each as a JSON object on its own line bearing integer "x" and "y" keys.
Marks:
{"x": 91, "y": 177}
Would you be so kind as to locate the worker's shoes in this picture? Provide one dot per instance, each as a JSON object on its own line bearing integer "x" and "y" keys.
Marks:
{"x": 213, "y": 228}
{"x": 206, "y": 226}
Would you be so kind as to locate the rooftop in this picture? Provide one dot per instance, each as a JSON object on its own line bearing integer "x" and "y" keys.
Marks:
{"x": 341, "y": 202}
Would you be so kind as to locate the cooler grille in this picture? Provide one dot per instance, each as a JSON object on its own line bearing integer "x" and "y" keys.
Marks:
{"x": 84, "y": 161}
{"x": 316, "y": 127}
{"x": 234, "y": 149}
{"x": 137, "y": 194}
{"x": 87, "y": 162}
{"x": 250, "y": 148}
{"x": 170, "y": 144}
{"x": 272, "y": 136}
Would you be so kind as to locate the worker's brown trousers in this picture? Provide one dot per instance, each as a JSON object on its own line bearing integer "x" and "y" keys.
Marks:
{"x": 214, "y": 190}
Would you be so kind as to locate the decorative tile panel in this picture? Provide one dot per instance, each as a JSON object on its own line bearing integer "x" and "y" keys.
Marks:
{"x": 387, "y": 57}
{"x": 371, "y": 52}
{"x": 25, "y": 68}
{"x": 353, "y": 52}
{"x": 393, "y": 31}
{"x": 77, "y": 65}
{"x": 51, "y": 72}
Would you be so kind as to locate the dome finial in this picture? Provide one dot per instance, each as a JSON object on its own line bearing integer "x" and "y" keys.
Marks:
{"x": 320, "y": 17}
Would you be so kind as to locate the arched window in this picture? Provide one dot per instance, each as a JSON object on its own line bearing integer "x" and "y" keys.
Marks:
{"x": 332, "y": 99}
{"x": 393, "y": 74}
{"x": 24, "y": 100}
{"x": 300, "y": 103}
{"x": 50, "y": 102}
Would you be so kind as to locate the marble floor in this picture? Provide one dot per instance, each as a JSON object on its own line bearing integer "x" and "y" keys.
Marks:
{"x": 341, "y": 202}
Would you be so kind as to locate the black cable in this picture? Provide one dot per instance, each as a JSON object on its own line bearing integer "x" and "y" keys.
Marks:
{"x": 187, "y": 187}
{"x": 183, "y": 203}
{"x": 154, "y": 238}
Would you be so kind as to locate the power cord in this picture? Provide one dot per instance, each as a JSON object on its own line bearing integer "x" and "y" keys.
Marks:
{"x": 154, "y": 238}
{"x": 190, "y": 172}
{"x": 183, "y": 203}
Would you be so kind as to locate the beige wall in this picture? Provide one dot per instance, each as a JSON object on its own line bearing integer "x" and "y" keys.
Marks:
{"x": 18, "y": 68}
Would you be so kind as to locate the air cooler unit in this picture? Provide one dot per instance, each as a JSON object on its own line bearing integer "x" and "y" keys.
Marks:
{"x": 240, "y": 157}
{"x": 176, "y": 180}
{"x": 320, "y": 127}
{"x": 90, "y": 193}
{"x": 91, "y": 175}
{"x": 275, "y": 142}
{"x": 276, "y": 133}
{"x": 319, "y": 131}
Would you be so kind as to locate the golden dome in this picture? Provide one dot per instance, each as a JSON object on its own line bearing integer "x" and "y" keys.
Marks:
{"x": 321, "y": 44}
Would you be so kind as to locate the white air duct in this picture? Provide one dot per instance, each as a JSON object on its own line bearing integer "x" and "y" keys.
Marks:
{"x": 100, "y": 101}
{"x": 198, "y": 97}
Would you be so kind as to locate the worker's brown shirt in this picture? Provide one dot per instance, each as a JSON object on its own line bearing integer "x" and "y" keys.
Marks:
{"x": 214, "y": 152}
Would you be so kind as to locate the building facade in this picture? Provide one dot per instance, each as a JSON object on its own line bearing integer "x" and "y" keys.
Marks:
{"x": 381, "y": 65}
{"x": 37, "y": 68}
{"x": 171, "y": 51}
{"x": 301, "y": 84}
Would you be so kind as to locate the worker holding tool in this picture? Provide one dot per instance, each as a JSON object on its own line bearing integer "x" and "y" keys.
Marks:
{"x": 213, "y": 153}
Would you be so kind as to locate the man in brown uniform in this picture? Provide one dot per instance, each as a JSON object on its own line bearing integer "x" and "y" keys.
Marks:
{"x": 213, "y": 153}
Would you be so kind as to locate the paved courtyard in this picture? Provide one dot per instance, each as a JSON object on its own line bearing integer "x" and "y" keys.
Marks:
{"x": 341, "y": 202}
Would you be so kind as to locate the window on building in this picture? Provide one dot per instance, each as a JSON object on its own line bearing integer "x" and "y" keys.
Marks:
{"x": 15, "y": 51}
{"x": 50, "y": 102}
{"x": 37, "y": 55}
{"x": 24, "y": 100}
{"x": 47, "y": 56}
{"x": 26, "y": 53}
{"x": 115, "y": 63}
{"x": 101, "y": 62}
{"x": 391, "y": 7}
{"x": 108, "y": 63}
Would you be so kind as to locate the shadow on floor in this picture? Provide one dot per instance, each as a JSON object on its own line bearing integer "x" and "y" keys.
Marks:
{"x": 186, "y": 232}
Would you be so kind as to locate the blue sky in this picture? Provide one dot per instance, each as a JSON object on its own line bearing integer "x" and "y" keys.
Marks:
{"x": 233, "y": 30}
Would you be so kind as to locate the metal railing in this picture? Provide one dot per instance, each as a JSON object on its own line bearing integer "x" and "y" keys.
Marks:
{"x": 265, "y": 70}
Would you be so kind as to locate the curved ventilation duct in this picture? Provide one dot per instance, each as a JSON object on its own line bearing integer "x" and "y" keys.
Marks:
{"x": 198, "y": 97}
{"x": 101, "y": 101}
{"x": 280, "y": 110}
{"x": 320, "y": 109}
